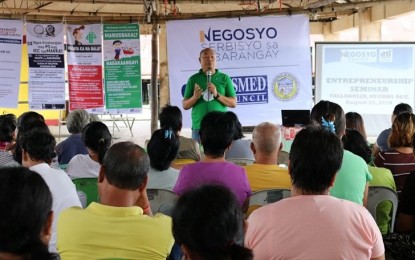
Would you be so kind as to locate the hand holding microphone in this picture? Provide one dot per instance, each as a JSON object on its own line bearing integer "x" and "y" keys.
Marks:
{"x": 210, "y": 86}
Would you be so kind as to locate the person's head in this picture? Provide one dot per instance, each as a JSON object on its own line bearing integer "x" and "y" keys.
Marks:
{"x": 355, "y": 143}
{"x": 27, "y": 118}
{"x": 37, "y": 146}
{"x": 355, "y": 121}
{"x": 162, "y": 148}
{"x": 77, "y": 32}
{"x": 7, "y": 127}
{"x": 125, "y": 166}
{"x": 238, "y": 126}
{"x": 266, "y": 139}
{"x": 171, "y": 116}
{"x": 97, "y": 138}
{"x": 329, "y": 115}
{"x": 207, "y": 60}
{"x": 206, "y": 224}
{"x": 315, "y": 157}
{"x": 27, "y": 126}
{"x": 403, "y": 128}
{"x": 26, "y": 214}
{"x": 77, "y": 120}
{"x": 401, "y": 108}
{"x": 216, "y": 133}
{"x": 117, "y": 43}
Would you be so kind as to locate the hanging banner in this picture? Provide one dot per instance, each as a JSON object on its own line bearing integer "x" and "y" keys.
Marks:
{"x": 85, "y": 67}
{"x": 46, "y": 66}
{"x": 268, "y": 59}
{"x": 122, "y": 68}
{"x": 11, "y": 38}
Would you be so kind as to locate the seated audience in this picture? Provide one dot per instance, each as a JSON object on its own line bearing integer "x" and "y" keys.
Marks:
{"x": 352, "y": 180}
{"x": 355, "y": 121}
{"x": 37, "y": 154}
{"x": 265, "y": 173}
{"x": 382, "y": 140}
{"x": 97, "y": 139}
{"x": 171, "y": 117}
{"x": 354, "y": 142}
{"x": 400, "y": 158}
{"x": 7, "y": 136}
{"x": 119, "y": 226}
{"x": 162, "y": 150}
{"x": 26, "y": 218}
{"x": 311, "y": 224}
{"x": 216, "y": 135}
{"x": 207, "y": 222}
{"x": 240, "y": 148}
{"x": 401, "y": 245}
{"x": 73, "y": 145}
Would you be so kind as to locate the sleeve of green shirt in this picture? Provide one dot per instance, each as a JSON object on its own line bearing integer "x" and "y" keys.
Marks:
{"x": 229, "y": 89}
{"x": 188, "y": 92}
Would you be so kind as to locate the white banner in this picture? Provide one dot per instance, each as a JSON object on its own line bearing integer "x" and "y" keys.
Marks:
{"x": 268, "y": 59}
{"x": 85, "y": 67}
{"x": 46, "y": 66}
{"x": 11, "y": 37}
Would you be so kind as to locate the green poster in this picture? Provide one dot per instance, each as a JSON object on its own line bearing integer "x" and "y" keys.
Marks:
{"x": 122, "y": 71}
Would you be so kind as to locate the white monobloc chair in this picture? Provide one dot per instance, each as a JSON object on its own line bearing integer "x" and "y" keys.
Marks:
{"x": 376, "y": 195}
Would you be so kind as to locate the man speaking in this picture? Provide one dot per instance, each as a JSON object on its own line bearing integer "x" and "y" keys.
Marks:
{"x": 208, "y": 90}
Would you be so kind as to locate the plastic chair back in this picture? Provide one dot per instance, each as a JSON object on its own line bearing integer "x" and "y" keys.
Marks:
{"x": 376, "y": 195}
{"x": 241, "y": 161}
{"x": 161, "y": 201}
{"x": 87, "y": 187}
{"x": 264, "y": 197}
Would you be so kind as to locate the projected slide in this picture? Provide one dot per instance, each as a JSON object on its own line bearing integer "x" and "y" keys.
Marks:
{"x": 369, "y": 78}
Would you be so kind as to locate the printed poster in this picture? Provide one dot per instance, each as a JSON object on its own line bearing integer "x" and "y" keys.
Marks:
{"x": 11, "y": 38}
{"x": 267, "y": 58}
{"x": 46, "y": 66}
{"x": 122, "y": 68}
{"x": 84, "y": 52}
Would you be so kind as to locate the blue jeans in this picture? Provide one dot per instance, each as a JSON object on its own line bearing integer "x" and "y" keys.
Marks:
{"x": 195, "y": 135}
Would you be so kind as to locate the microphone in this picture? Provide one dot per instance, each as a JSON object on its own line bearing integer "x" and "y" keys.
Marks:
{"x": 209, "y": 76}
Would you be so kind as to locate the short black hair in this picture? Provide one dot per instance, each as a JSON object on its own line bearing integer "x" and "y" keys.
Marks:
{"x": 30, "y": 125}
{"x": 40, "y": 145}
{"x": 216, "y": 133}
{"x": 208, "y": 221}
{"x": 26, "y": 202}
{"x": 238, "y": 126}
{"x": 116, "y": 41}
{"x": 171, "y": 116}
{"x": 330, "y": 112}
{"x": 126, "y": 165}
{"x": 163, "y": 148}
{"x": 27, "y": 118}
{"x": 7, "y": 126}
{"x": 401, "y": 108}
{"x": 354, "y": 142}
{"x": 97, "y": 137}
{"x": 315, "y": 157}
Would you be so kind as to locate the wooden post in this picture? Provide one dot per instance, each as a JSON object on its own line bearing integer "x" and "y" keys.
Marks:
{"x": 154, "y": 73}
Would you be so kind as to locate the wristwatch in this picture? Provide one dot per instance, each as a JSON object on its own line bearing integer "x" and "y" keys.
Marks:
{"x": 217, "y": 95}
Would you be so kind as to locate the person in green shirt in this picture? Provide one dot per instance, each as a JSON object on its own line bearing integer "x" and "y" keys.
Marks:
{"x": 208, "y": 90}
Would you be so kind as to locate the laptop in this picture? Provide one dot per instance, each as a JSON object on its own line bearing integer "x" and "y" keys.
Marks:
{"x": 292, "y": 118}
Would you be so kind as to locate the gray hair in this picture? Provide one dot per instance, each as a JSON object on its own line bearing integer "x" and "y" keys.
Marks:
{"x": 76, "y": 120}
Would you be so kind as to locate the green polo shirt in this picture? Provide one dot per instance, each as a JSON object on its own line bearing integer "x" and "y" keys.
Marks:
{"x": 206, "y": 102}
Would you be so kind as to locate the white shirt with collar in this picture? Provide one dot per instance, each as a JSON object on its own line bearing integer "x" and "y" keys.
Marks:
{"x": 63, "y": 193}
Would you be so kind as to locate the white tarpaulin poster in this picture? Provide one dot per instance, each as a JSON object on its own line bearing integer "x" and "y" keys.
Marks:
{"x": 46, "y": 66}
{"x": 84, "y": 52}
{"x": 11, "y": 35}
{"x": 268, "y": 59}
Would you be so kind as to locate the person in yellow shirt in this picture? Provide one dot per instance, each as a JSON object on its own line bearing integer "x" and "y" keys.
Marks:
{"x": 120, "y": 226}
{"x": 265, "y": 173}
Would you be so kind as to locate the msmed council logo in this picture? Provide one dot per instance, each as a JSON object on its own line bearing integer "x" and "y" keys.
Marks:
{"x": 285, "y": 86}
